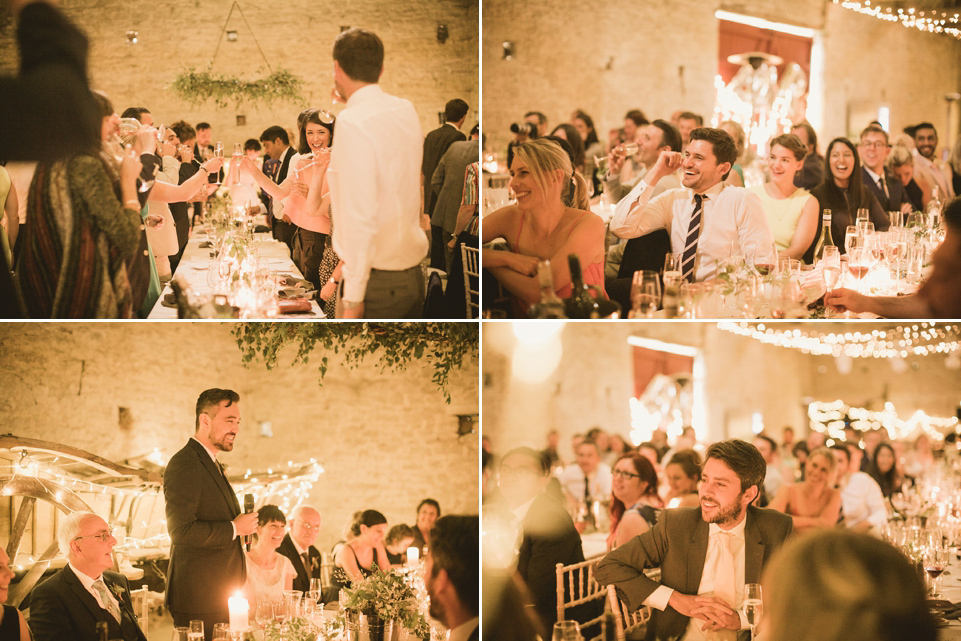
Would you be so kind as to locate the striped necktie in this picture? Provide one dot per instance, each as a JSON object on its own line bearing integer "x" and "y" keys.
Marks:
{"x": 690, "y": 246}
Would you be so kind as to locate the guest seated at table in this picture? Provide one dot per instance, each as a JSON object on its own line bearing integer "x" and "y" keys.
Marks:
{"x": 736, "y": 131}
{"x": 812, "y": 171}
{"x": 269, "y": 573}
{"x": 736, "y": 216}
{"x": 841, "y": 586}
{"x": 791, "y": 211}
{"x": 71, "y": 603}
{"x": 900, "y": 162}
{"x": 398, "y": 539}
{"x": 938, "y": 297}
{"x": 886, "y": 187}
{"x": 861, "y": 499}
{"x": 683, "y": 472}
{"x": 355, "y": 559}
{"x": 588, "y": 479}
{"x": 814, "y": 502}
{"x": 592, "y": 147}
{"x": 13, "y": 627}
{"x": 651, "y": 140}
{"x": 569, "y": 133}
{"x": 427, "y": 512}
{"x": 550, "y": 221}
{"x": 844, "y": 193}
{"x": 884, "y": 470}
{"x": 634, "y": 503}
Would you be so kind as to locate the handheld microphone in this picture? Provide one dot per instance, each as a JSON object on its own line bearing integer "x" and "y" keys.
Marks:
{"x": 248, "y": 508}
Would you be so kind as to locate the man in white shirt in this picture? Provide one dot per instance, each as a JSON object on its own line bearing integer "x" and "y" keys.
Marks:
{"x": 706, "y": 218}
{"x": 588, "y": 479}
{"x": 73, "y": 601}
{"x": 651, "y": 140}
{"x": 374, "y": 179}
{"x": 451, "y": 575}
{"x": 926, "y": 162}
{"x": 861, "y": 499}
{"x": 772, "y": 478}
{"x": 706, "y": 554}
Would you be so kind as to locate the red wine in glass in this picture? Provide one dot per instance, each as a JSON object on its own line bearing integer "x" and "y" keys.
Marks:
{"x": 934, "y": 571}
{"x": 858, "y": 271}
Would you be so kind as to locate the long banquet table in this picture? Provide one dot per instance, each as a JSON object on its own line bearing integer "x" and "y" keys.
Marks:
{"x": 196, "y": 262}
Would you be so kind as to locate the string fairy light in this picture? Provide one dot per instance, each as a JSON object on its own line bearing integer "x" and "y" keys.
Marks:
{"x": 935, "y": 21}
{"x": 830, "y": 418}
{"x": 918, "y": 339}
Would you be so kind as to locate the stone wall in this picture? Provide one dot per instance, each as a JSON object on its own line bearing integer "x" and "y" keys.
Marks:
{"x": 609, "y": 57}
{"x": 386, "y": 440}
{"x": 594, "y": 380}
{"x": 297, "y": 35}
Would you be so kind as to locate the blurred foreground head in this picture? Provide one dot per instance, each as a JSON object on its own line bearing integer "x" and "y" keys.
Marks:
{"x": 838, "y": 585}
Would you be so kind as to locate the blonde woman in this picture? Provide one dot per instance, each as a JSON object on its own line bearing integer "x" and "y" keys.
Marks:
{"x": 838, "y": 585}
{"x": 549, "y": 221}
{"x": 814, "y": 502}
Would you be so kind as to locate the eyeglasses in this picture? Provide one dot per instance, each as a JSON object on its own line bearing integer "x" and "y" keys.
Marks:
{"x": 876, "y": 144}
{"x": 103, "y": 536}
{"x": 626, "y": 475}
{"x": 309, "y": 527}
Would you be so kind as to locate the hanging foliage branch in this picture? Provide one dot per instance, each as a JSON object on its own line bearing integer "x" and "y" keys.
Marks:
{"x": 445, "y": 346}
{"x": 196, "y": 87}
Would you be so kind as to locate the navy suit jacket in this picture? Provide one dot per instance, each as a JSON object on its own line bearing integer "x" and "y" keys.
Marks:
{"x": 436, "y": 144}
{"x": 896, "y": 195}
{"x": 61, "y": 608}
{"x": 207, "y": 563}
{"x": 678, "y": 545}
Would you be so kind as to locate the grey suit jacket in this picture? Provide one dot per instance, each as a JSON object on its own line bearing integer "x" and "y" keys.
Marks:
{"x": 678, "y": 545}
{"x": 448, "y": 182}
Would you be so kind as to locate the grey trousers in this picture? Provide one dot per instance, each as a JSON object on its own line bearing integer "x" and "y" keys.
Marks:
{"x": 395, "y": 294}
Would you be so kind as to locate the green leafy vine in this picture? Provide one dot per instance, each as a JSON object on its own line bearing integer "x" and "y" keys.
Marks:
{"x": 197, "y": 87}
{"x": 445, "y": 346}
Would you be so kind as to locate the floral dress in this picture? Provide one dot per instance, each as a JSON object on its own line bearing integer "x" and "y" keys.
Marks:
{"x": 327, "y": 266}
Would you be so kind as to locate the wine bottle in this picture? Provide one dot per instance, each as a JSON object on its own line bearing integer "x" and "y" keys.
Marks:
{"x": 933, "y": 209}
{"x": 825, "y": 238}
{"x": 581, "y": 304}
{"x": 180, "y": 289}
{"x": 549, "y": 305}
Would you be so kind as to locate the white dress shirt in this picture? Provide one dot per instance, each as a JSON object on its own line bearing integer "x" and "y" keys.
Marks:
{"x": 572, "y": 480}
{"x": 374, "y": 179}
{"x": 660, "y": 596}
{"x": 463, "y": 631}
{"x": 862, "y": 500}
{"x": 88, "y": 586}
{"x": 730, "y": 217}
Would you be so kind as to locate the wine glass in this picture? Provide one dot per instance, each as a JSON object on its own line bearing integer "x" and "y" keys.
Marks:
{"x": 645, "y": 294}
{"x": 196, "y": 631}
{"x": 180, "y": 633}
{"x": 753, "y": 605}
{"x": 863, "y": 215}
{"x": 221, "y": 632}
{"x": 264, "y": 613}
{"x": 859, "y": 263}
{"x": 935, "y": 558}
{"x": 567, "y": 631}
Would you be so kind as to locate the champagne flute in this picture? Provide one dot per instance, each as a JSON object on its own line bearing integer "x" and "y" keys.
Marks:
{"x": 645, "y": 294}
{"x": 753, "y": 605}
{"x": 850, "y": 238}
{"x": 831, "y": 267}
{"x": 863, "y": 215}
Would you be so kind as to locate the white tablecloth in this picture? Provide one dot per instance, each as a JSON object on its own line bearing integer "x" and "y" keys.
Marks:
{"x": 196, "y": 261}
{"x": 594, "y": 544}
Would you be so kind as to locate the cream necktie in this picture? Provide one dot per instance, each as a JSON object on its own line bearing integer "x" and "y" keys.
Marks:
{"x": 108, "y": 603}
{"x": 725, "y": 579}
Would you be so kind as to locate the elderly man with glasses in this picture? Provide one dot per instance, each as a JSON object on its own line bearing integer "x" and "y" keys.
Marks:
{"x": 71, "y": 603}
{"x": 298, "y": 545}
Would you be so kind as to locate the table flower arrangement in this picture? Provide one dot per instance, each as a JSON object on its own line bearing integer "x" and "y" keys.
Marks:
{"x": 382, "y": 596}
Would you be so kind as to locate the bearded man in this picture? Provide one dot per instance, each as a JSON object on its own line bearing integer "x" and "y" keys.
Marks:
{"x": 706, "y": 554}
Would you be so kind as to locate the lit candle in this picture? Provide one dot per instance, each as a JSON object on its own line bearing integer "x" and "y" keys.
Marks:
{"x": 413, "y": 554}
{"x": 239, "y": 610}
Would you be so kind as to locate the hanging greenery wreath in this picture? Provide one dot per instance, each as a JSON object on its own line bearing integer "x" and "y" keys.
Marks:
{"x": 197, "y": 87}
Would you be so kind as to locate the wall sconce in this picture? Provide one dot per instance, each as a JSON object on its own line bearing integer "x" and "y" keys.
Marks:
{"x": 133, "y": 37}
{"x": 442, "y": 33}
{"x": 266, "y": 429}
{"x": 508, "y": 50}
{"x": 231, "y": 36}
{"x": 241, "y": 121}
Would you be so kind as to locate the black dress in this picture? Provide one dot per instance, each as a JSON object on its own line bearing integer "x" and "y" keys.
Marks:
{"x": 10, "y": 626}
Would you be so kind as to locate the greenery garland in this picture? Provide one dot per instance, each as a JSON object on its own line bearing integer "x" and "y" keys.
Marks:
{"x": 444, "y": 345}
{"x": 197, "y": 87}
